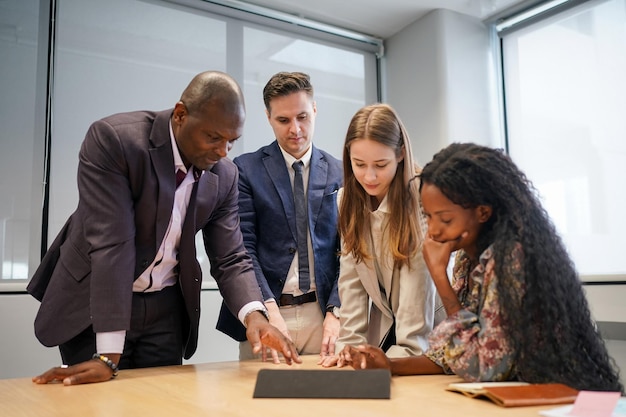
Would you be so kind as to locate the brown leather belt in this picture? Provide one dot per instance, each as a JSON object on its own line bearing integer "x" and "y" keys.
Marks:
{"x": 290, "y": 300}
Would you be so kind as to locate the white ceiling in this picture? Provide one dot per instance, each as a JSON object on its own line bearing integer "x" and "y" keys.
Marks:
{"x": 379, "y": 18}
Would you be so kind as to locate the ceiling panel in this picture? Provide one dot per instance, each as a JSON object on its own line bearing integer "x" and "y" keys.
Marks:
{"x": 379, "y": 18}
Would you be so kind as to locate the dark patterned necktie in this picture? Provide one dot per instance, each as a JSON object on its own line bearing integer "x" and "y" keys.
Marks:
{"x": 302, "y": 220}
{"x": 180, "y": 176}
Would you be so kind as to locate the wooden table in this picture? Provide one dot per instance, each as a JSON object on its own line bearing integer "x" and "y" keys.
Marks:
{"x": 225, "y": 389}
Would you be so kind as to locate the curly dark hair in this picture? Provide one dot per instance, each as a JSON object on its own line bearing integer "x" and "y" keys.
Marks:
{"x": 550, "y": 327}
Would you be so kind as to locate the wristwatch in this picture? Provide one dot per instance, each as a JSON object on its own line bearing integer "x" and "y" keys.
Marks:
{"x": 334, "y": 310}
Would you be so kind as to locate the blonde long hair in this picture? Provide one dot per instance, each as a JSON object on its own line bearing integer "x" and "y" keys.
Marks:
{"x": 380, "y": 123}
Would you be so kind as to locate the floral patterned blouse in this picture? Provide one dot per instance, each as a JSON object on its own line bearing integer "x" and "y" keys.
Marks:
{"x": 472, "y": 343}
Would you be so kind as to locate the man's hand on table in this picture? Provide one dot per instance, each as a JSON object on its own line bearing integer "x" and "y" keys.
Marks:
{"x": 261, "y": 333}
{"x": 87, "y": 372}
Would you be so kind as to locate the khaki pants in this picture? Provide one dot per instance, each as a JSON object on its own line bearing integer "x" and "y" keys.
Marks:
{"x": 304, "y": 323}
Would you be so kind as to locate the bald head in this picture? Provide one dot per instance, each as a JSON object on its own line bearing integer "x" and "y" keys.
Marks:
{"x": 208, "y": 119}
{"x": 213, "y": 88}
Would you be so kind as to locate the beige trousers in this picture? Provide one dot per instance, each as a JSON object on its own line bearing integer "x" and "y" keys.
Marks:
{"x": 305, "y": 325}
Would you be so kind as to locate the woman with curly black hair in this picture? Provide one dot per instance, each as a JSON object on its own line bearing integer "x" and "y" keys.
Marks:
{"x": 516, "y": 308}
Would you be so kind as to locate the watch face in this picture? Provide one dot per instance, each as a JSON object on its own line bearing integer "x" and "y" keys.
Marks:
{"x": 334, "y": 310}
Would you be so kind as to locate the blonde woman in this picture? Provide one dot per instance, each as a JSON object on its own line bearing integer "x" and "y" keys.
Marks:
{"x": 387, "y": 296}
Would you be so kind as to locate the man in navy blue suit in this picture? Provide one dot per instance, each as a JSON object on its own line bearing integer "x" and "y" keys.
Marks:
{"x": 297, "y": 276}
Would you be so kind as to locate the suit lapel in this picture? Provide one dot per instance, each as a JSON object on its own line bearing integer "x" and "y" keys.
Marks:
{"x": 205, "y": 197}
{"x": 187, "y": 244}
{"x": 275, "y": 166}
{"x": 318, "y": 174}
{"x": 162, "y": 158}
{"x": 386, "y": 257}
{"x": 367, "y": 272}
{"x": 188, "y": 265}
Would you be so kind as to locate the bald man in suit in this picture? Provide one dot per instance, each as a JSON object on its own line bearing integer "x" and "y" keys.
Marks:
{"x": 120, "y": 285}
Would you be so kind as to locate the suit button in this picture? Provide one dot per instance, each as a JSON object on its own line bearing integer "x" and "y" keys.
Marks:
{"x": 292, "y": 250}
{"x": 145, "y": 263}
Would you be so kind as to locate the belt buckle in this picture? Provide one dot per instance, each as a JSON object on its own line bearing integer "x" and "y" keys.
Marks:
{"x": 286, "y": 300}
{"x": 292, "y": 300}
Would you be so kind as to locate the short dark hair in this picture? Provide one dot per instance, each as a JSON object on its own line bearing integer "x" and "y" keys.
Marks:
{"x": 285, "y": 83}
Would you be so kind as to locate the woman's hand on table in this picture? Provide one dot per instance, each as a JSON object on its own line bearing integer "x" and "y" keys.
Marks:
{"x": 363, "y": 357}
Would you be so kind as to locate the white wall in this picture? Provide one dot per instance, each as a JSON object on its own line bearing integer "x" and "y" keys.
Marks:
{"x": 21, "y": 355}
{"x": 607, "y": 302}
{"x": 439, "y": 77}
{"x": 609, "y": 310}
{"x": 213, "y": 346}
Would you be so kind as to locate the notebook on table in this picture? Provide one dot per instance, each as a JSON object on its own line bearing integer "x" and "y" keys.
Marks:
{"x": 517, "y": 394}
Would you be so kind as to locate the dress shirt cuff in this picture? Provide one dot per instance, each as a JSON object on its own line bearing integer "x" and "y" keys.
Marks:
{"x": 110, "y": 342}
{"x": 249, "y": 308}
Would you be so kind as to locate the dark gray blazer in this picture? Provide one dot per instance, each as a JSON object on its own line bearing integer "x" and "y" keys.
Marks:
{"x": 268, "y": 224}
{"x": 126, "y": 186}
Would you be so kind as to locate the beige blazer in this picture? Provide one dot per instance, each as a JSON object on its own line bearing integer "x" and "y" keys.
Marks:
{"x": 373, "y": 294}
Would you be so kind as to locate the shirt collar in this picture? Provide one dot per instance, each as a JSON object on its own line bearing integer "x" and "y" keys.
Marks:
{"x": 383, "y": 207}
{"x": 289, "y": 159}
{"x": 178, "y": 160}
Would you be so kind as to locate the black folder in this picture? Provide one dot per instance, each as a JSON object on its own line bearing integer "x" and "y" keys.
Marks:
{"x": 323, "y": 383}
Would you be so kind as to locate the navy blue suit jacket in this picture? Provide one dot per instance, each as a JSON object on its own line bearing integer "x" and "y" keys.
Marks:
{"x": 268, "y": 224}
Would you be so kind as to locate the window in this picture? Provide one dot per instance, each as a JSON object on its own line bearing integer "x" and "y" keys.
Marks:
{"x": 124, "y": 55}
{"x": 21, "y": 145}
{"x": 565, "y": 99}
